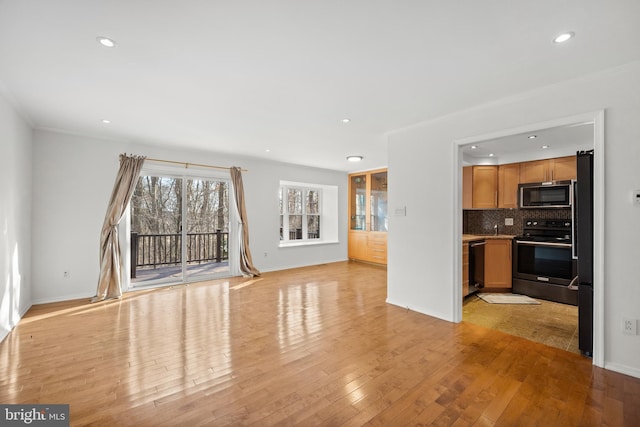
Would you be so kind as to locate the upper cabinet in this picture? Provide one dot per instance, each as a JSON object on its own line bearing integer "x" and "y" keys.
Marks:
{"x": 368, "y": 216}
{"x": 485, "y": 187}
{"x": 358, "y": 201}
{"x": 467, "y": 187}
{"x": 489, "y": 187}
{"x": 564, "y": 168}
{"x": 378, "y": 201}
{"x": 508, "y": 180}
{"x": 558, "y": 169}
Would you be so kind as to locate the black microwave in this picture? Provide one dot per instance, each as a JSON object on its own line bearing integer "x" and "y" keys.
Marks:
{"x": 553, "y": 194}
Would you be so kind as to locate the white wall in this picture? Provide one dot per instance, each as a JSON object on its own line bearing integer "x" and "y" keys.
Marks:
{"x": 15, "y": 217}
{"x": 73, "y": 178}
{"x": 421, "y": 176}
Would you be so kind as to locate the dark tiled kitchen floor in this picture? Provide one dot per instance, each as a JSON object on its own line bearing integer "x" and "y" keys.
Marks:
{"x": 549, "y": 323}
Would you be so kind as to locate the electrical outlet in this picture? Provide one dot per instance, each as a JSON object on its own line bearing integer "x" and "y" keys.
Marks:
{"x": 630, "y": 326}
{"x": 508, "y": 221}
{"x": 67, "y": 274}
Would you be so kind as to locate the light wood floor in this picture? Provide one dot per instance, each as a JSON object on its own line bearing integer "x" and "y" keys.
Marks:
{"x": 311, "y": 346}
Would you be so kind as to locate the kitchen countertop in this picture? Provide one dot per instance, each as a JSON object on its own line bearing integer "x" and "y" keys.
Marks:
{"x": 470, "y": 237}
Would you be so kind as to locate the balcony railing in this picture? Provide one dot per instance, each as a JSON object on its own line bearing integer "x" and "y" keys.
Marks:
{"x": 153, "y": 250}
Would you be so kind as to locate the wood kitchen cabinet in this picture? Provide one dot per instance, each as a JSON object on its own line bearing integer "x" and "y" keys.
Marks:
{"x": 564, "y": 168}
{"x": 485, "y": 187}
{"x": 489, "y": 187}
{"x": 465, "y": 269}
{"x": 467, "y": 187}
{"x": 497, "y": 264}
{"x": 368, "y": 216}
{"x": 556, "y": 169}
{"x": 508, "y": 180}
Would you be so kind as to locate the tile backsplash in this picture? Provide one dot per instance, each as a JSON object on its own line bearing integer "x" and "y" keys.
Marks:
{"x": 482, "y": 221}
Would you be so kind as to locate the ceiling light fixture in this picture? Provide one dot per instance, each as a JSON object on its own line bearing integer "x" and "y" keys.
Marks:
{"x": 544, "y": 147}
{"x": 106, "y": 121}
{"x": 354, "y": 158}
{"x": 346, "y": 120}
{"x": 473, "y": 147}
{"x": 532, "y": 136}
{"x": 563, "y": 37}
{"x": 106, "y": 41}
{"x": 491, "y": 155}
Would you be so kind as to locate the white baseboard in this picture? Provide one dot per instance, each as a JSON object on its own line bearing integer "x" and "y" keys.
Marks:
{"x": 62, "y": 298}
{"x": 5, "y": 332}
{"x": 24, "y": 311}
{"x": 292, "y": 266}
{"x": 622, "y": 369}
{"x": 419, "y": 309}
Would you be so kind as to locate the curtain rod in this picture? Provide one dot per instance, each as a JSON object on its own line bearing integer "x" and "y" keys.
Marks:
{"x": 186, "y": 164}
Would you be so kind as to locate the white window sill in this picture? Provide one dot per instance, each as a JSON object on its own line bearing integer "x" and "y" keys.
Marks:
{"x": 296, "y": 243}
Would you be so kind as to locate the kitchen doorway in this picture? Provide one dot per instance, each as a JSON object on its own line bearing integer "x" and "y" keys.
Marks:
{"x": 510, "y": 146}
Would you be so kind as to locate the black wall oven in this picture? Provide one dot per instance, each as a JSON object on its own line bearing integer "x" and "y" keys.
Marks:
{"x": 543, "y": 262}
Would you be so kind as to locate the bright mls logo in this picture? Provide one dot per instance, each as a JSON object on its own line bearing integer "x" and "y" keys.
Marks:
{"x": 34, "y": 415}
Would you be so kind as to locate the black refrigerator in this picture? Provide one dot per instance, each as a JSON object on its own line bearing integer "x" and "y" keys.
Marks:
{"x": 583, "y": 240}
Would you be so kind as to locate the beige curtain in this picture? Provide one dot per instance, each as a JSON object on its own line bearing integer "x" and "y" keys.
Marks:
{"x": 109, "y": 285}
{"x": 246, "y": 263}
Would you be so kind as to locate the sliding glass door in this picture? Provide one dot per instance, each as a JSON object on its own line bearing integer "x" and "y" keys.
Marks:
{"x": 207, "y": 225}
{"x": 179, "y": 229}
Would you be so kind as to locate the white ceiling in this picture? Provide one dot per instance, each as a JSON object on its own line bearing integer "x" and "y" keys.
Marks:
{"x": 540, "y": 144}
{"x": 250, "y": 76}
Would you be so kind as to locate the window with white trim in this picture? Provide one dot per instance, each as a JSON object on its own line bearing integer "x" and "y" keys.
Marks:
{"x": 300, "y": 213}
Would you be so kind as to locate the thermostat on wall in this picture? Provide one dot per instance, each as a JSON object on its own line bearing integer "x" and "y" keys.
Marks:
{"x": 401, "y": 211}
{"x": 636, "y": 197}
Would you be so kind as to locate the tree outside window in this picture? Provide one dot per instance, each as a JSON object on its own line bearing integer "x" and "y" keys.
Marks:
{"x": 299, "y": 213}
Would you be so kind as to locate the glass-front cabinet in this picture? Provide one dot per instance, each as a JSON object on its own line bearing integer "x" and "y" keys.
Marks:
{"x": 378, "y": 198}
{"x": 358, "y": 206}
{"x": 368, "y": 216}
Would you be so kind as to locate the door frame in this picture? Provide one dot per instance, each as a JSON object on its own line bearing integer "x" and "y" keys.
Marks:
{"x": 596, "y": 118}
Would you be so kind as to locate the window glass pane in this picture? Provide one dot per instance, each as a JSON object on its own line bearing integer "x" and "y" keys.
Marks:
{"x": 280, "y": 194}
{"x": 207, "y": 222}
{"x": 313, "y": 202}
{"x": 357, "y": 201}
{"x": 379, "y": 202}
{"x": 281, "y": 226}
{"x": 294, "y": 200}
{"x": 295, "y": 227}
{"x": 313, "y": 226}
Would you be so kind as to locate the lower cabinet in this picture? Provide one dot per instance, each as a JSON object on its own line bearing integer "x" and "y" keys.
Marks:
{"x": 368, "y": 246}
{"x": 465, "y": 269}
{"x": 497, "y": 264}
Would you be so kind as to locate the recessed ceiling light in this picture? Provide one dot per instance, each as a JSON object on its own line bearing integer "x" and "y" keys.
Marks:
{"x": 473, "y": 147}
{"x": 544, "y": 147}
{"x": 267, "y": 150}
{"x": 532, "y": 136}
{"x": 563, "y": 37}
{"x": 345, "y": 120}
{"x": 491, "y": 155}
{"x": 354, "y": 158}
{"x": 106, "y": 121}
{"x": 106, "y": 41}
